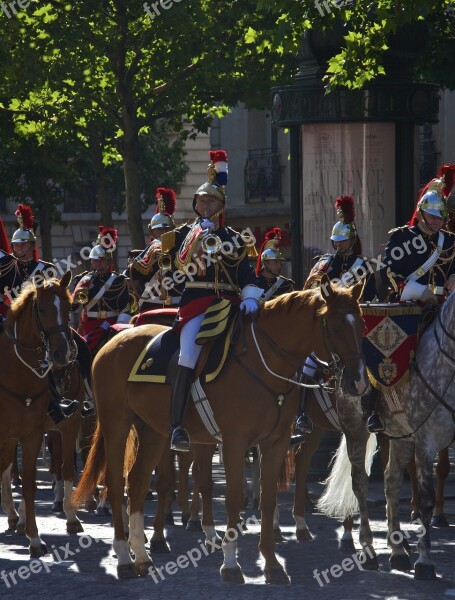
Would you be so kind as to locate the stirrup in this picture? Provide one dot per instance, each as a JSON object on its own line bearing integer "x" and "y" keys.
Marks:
{"x": 88, "y": 410}
{"x": 297, "y": 439}
{"x": 180, "y": 440}
{"x": 304, "y": 424}
{"x": 60, "y": 411}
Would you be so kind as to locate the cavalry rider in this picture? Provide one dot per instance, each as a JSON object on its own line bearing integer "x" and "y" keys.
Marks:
{"x": 147, "y": 270}
{"x": 269, "y": 266}
{"x": 101, "y": 296}
{"x": 212, "y": 261}
{"x": 346, "y": 266}
{"x": 5, "y": 258}
{"x": 15, "y": 270}
{"x": 420, "y": 256}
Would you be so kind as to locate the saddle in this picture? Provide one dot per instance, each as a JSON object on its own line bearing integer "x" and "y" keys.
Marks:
{"x": 157, "y": 361}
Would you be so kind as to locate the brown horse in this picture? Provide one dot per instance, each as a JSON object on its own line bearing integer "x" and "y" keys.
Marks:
{"x": 35, "y": 338}
{"x": 253, "y": 399}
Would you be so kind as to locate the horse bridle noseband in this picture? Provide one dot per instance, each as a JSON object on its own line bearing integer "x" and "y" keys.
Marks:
{"x": 44, "y": 335}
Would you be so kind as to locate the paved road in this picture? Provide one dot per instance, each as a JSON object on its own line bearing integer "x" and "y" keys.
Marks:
{"x": 83, "y": 566}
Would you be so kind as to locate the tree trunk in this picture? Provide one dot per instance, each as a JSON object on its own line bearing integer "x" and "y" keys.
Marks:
{"x": 45, "y": 232}
{"x": 131, "y": 173}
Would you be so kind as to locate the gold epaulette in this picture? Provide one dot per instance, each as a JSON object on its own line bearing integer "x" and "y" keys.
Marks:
{"x": 251, "y": 252}
{"x": 168, "y": 241}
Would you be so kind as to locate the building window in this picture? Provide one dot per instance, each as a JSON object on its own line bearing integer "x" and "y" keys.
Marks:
{"x": 263, "y": 176}
{"x": 427, "y": 154}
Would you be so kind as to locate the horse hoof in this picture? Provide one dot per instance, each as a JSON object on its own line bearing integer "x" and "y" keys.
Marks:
{"x": 232, "y": 575}
{"x": 12, "y": 525}
{"x": 126, "y": 571}
{"x": 439, "y": 521}
{"x": 57, "y": 507}
{"x": 169, "y": 519}
{"x": 277, "y": 535}
{"x": 74, "y": 527}
{"x": 276, "y": 575}
{"x": 185, "y": 518}
{"x": 346, "y": 545}
{"x": 304, "y": 535}
{"x": 159, "y": 546}
{"x": 194, "y": 525}
{"x": 415, "y": 516}
{"x": 424, "y": 571}
{"x": 143, "y": 568}
{"x": 38, "y": 551}
{"x": 400, "y": 562}
{"x": 370, "y": 564}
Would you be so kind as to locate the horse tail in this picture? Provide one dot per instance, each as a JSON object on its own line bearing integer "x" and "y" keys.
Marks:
{"x": 132, "y": 444}
{"x": 287, "y": 472}
{"x": 338, "y": 499}
{"x": 94, "y": 469}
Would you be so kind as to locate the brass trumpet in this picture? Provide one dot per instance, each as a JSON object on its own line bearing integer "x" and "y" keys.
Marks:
{"x": 81, "y": 296}
{"x": 164, "y": 261}
{"x": 211, "y": 243}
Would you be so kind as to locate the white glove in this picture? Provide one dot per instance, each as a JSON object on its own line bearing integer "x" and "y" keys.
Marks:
{"x": 208, "y": 225}
{"x": 249, "y": 306}
{"x": 123, "y": 318}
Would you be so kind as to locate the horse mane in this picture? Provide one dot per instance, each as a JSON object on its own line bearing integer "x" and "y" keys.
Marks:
{"x": 29, "y": 293}
{"x": 311, "y": 297}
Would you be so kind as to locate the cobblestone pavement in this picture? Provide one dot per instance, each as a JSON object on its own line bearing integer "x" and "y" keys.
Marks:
{"x": 84, "y": 566}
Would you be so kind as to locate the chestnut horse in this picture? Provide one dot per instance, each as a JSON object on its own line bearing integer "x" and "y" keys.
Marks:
{"x": 254, "y": 401}
{"x": 35, "y": 338}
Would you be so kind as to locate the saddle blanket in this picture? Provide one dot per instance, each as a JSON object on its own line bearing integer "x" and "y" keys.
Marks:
{"x": 390, "y": 342}
{"x": 153, "y": 361}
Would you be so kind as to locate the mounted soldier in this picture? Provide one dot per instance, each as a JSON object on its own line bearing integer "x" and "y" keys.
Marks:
{"x": 346, "y": 266}
{"x": 212, "y": 264}
{"x": 16, "y": 270}
{"x": 420, "y": 255}
{"x": 269, "y": 267}
{"x": 101, "y": 296}
{"x": 150, "y": 267}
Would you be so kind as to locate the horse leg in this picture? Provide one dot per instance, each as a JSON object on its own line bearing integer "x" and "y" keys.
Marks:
{"x": 399, "y": 456}
{"x": 442, "y": 472}
{"x": 68, "y": 436}
{"x": 30, "y": 450}
{"x": 150, "y": 448}
{"x": 183, "y": 491}
{"x": 303, "y": 458}
{"x": 255, "y": 478}
{"x": 203, "y": 458}
{"x": 164, "y": 485}
{"x": 115, "y": 442}
{"x": 356, "y": 444}
{"x": 9, "y": 451}
{"x": 15, "y": 476}
{"x": 234, "y": 458}
{"x": 54, "y": 444}
{"x": 272, "y": 458}
{"x": 346, "y": 543}
{"x": 424, "y": 567}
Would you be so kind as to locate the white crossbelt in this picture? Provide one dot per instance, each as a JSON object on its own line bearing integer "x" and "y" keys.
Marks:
{"x": 102, "y": 314}
{"x": 420, "y": 272}
{"x": 205, "y": 410}
{"x": 269, "y": 293}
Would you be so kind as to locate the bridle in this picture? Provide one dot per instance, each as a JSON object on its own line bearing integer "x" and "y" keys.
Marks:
{"x": 45, "y": 364}
{"x": 334, "y": 368}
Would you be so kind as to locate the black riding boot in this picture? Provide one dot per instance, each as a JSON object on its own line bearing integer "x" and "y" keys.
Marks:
{"x": 181, "y": 388}
{"x": 368, "y": 402}
{"x": 303, "y": 424}
{"x": 59, "y": 408}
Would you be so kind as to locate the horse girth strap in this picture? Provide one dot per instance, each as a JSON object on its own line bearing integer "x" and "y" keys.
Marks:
{"x": 439, "y": 398}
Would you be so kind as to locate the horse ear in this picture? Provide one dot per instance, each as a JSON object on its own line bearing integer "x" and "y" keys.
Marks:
{"x": 326, "y": 287}
{"x": 66, "y": 279}
{"x": 357, "y": 289}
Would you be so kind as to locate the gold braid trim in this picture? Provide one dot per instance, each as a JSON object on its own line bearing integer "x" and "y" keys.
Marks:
{"x": 168, "y": 241}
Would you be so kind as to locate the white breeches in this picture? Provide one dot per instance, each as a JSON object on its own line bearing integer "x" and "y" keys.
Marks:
{"x": 189, "y": 350}
{"x": 309, "y": 367}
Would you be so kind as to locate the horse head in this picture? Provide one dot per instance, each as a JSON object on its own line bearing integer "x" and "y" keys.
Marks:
{"x": 343, "y": 328}
{"x": 52, "y": 304}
